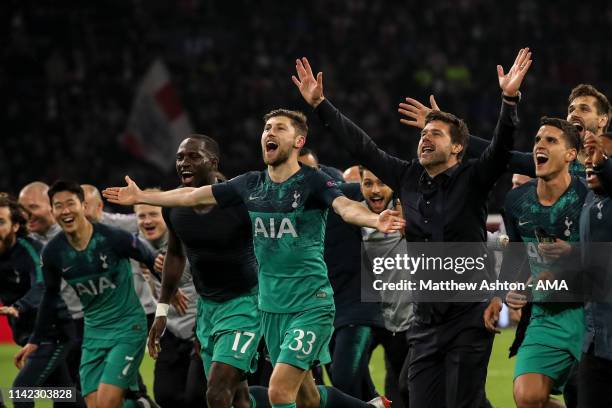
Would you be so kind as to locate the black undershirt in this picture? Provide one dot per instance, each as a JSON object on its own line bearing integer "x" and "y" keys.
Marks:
{"x": 219, "y": 247}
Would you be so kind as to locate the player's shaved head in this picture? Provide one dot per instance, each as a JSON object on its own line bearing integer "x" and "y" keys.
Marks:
{"x": 209, "y": 144}
{"x": 34, "y": 188}
{"x": 34, "y": 199}
{"x": 352, "y": 175}
{"x": 94, "y": 205}
{"x": 92, "y": 191}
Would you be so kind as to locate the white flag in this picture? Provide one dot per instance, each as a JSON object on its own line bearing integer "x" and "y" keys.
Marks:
{"x": 157, "y": 122}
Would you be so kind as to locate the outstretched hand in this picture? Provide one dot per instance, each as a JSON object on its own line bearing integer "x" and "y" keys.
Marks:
{"x": 127, "y": 195}
{"x": 390, "y": 221}
{"x": 310, "y": 88}
{"x": 510, "y": 83}
{"x": 416, "y": 111}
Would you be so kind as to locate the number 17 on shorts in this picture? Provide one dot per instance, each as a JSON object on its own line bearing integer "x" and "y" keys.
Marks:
{"x": 242, "y": 341}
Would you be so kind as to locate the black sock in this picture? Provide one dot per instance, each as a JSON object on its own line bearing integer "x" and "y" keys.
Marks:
{"x": 332, "y": 397}
{"x": 259, "y": 396}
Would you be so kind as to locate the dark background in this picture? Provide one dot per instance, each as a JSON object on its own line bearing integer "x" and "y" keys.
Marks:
{"x": 69, "y": 71}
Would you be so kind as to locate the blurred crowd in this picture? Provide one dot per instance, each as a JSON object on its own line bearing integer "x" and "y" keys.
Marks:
{"x": 69, "y": 72}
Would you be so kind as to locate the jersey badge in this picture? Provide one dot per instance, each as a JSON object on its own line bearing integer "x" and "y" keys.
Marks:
{"x": 568, "y": 224}
{"x": 599, "y": 214}
{"x": 103, "y": 259}
{"x": 296, "y": 199}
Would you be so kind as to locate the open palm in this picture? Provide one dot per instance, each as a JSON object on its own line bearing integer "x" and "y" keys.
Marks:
{"x": 510, "y": 83}
{"x": 390, "y": 221}
{"x": 127, "y": 195}
{"x": 310, "y": 87}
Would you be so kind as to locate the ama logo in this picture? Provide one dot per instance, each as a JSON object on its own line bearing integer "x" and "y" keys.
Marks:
{"x": 274, "y": 231}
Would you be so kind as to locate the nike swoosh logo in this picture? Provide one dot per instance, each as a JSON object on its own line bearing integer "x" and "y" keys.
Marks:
{"x": 66, "y": 269}
{"x": 523, "y": 223}
{"x": 127, "y": 367}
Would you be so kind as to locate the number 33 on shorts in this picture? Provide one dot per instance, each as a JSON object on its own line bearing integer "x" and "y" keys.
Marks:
{"x": 302, "y": 341}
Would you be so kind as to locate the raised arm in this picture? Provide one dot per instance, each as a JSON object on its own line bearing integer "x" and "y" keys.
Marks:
{"x": 180, "y": 197}
{"x": 387, "y": 167}
{"x": 519, "y": 162}
{"x": 493, "y": 162}
{"x": 414, "y": 113}
{"x": 355, "y": 213}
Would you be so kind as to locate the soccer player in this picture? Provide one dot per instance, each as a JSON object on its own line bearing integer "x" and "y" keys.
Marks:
{"x": 179, "y": 379}
{"x": 551, "y": 203}
{"x": 595, "y": 368}
{"x": 354, "y": 321}
{"x": 94, "y": 211}
{"x": 443, "y": 199}
{"x": 42, "y": 227}
{"x": 287, "y": 204}
{"x": 218, "y": 244}
{"x": 94, "y": 260}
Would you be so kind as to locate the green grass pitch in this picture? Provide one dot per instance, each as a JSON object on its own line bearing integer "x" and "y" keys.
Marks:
{"x": 499, "y": 380}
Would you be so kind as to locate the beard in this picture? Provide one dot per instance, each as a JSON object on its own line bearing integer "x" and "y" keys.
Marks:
{"x": 6, "y": 243}
{"x": 281, "y": 157}
{"x": 436, "y": 158}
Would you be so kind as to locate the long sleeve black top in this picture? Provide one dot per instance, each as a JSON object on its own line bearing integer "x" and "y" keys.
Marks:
{"x": 450, "y": 207}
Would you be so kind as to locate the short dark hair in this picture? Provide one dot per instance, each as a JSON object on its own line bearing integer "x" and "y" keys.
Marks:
{"x": 16, "y": 213}
{"x": 306, "y": 151}
{"x": 459, "y": 132}
{"x": 361, "y": 170}
{"x": 210, "y": 144}
{"x": 298, "y": 119}
{"x": 571, "y": 134}
{"x": 601, "y": 101}
{"x": 64, "y": 185}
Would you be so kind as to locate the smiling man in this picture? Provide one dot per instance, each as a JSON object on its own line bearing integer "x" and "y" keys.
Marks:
{"x": 94, "y": 260}
{"x": 41, "y": 224}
